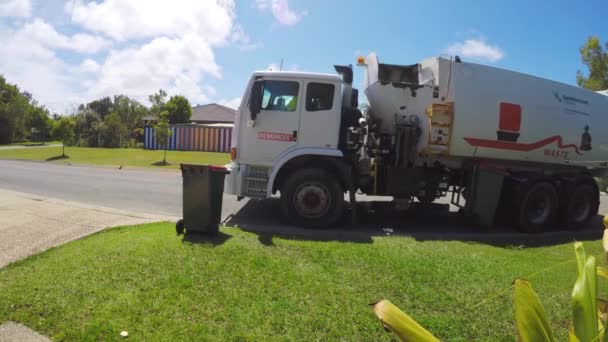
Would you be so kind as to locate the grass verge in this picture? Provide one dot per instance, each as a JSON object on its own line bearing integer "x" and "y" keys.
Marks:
{"x": 116, "y": 156}
{"x": 240, "y": 286}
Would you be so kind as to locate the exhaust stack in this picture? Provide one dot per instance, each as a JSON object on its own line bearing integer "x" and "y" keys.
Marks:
{"x": 346, "y": 71}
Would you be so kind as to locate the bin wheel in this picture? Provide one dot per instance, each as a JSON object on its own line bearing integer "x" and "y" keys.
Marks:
{"x": 179, "y": 227}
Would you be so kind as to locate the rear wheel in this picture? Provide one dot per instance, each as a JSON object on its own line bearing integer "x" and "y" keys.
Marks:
{"x": 537, "y": 207}
{"x": 312, "y": 198}
{"x": 581, "y": 204}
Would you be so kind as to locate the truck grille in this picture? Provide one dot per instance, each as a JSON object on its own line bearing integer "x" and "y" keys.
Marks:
{"x": 256, "y": 181}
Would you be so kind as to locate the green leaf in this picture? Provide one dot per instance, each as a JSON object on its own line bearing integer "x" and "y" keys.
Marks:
{"x": 530, "y": 318}
{"x": 406, "y": 328}
{"x": 602, "y": 308}
{"x": 584, "y": 297}
{"x": 605, "y": 237}
{"x": 602, "y": 272}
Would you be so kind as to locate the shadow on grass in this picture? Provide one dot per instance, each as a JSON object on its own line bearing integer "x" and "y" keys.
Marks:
{"x": 57, "y": 158}
{"x": 206, "y": 239}
{"x": 261, "y": 218}
{"x": 160, "y": 163}
{"x": 436, "y": 223}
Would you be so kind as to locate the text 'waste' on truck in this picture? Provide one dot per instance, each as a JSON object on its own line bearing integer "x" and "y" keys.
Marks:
{"x": 494, "y": 140}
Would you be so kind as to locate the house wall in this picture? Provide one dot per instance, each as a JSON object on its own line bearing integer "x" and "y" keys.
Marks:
{"x": 192, "y": 138}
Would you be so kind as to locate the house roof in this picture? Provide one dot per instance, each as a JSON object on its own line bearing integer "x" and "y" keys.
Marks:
{"x": 211, "y": 112}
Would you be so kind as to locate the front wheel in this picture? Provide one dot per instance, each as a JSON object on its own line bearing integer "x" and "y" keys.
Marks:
{"x": 312, "y": 198}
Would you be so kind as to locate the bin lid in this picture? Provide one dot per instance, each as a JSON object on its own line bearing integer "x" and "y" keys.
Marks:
{"x": 216, "y": 168}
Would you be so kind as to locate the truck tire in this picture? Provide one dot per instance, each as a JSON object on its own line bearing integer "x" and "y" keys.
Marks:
{"x": 312, "y": 198}
{"x": 581, "y": 204}
{"x": 537, "y": 206}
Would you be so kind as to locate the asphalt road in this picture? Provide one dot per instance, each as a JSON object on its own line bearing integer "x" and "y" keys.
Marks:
{"x": 159, "y": 192}
{"x": 137, "y": 190}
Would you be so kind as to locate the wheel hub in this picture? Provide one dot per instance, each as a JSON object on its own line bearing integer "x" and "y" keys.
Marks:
{"x": 539, "y": 209}
{"x": 312, "y": 200}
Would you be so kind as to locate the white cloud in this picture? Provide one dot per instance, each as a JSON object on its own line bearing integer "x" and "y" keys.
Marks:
{"x": 242, "y": 40}
{"x": 136, "y": 19}
{"x": 281, "y": 11}
{"x": 15, "y": 8}
{"x": 29, "y": 58}
{"x": 174, "y": 64}
{"x": 89, "y": 66}
{"x": 232, "y": 103}
{"x": 262, "y": 5}
{"x": 41, "y": 33}
{"x": 476, "y": 49}
{"x": 138, "y": 47}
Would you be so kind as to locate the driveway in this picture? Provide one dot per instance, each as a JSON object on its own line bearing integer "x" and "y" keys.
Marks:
{"x": 15, "y": 147}
{"x": 30, "y": 224}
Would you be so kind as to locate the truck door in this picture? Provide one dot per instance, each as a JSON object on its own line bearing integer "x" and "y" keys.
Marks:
{"x": 320, "y": 118}
{"x": 275, "y": 129}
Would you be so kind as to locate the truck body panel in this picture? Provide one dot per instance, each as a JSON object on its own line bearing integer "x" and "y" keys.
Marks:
{"x": 499, "y": 114}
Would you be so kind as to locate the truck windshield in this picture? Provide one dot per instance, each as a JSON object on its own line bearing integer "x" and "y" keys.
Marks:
{"x": 280, "y": 96}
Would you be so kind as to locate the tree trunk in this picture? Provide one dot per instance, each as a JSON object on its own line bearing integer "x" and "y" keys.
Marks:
{"x": 165, "y": 156}
{"x": 63, "y": 150}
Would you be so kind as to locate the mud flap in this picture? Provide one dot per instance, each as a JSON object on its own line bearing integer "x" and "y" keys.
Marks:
{"x": 487, "y": 186}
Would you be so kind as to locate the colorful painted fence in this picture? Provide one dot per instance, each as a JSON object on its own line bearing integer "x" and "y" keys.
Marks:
{"x": 192, "y": 138}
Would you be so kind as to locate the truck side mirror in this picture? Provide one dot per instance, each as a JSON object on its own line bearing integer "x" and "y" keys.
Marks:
{"x": 255, "y": 99}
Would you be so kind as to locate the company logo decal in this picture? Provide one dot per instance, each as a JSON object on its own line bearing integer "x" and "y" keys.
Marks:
{"x": 275, "y": 136}
{"x": 569, "y": 99}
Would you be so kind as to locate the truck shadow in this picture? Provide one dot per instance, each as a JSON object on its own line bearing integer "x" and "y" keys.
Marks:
{"x": 436, "y": 223}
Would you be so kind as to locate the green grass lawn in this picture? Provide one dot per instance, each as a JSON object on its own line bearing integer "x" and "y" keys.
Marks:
{"x": 116, "y": 156}
{"x": 240, "y": 286}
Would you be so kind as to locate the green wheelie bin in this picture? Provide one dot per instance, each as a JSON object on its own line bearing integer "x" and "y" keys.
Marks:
{"x": 202, "y": 190}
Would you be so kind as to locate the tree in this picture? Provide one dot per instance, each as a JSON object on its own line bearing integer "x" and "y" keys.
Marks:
{"x": 162, "y": 133}
{"x": 158, "y": 102}
{"x": 14, "y": 110}
{"x": 64, "y": 130}
{"x": 131, "y": 112}
{"x": 178, "y": 110}
{"x": 39, "y": 124}
{"x": 596, "y": 60}
{"x": 115, "y": 131}
{"x": 102, "y": 106}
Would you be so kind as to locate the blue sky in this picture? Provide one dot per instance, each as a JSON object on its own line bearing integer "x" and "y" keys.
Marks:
{"x": 67, "y": 52}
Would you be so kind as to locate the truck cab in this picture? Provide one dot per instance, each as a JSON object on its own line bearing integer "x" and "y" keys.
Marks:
{"x": 283, "y": 117}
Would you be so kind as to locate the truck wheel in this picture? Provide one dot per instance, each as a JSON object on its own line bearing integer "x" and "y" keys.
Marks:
{"x": 312, "y": 198}
{"x": 582, "y": 204}
{"x": 537, "y": 207}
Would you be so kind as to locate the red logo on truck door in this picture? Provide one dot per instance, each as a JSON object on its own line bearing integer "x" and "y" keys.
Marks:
{"x": 275, "y": 136}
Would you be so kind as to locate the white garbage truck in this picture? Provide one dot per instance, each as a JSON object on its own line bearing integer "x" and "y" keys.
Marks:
{"x": 490, "y": 140}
